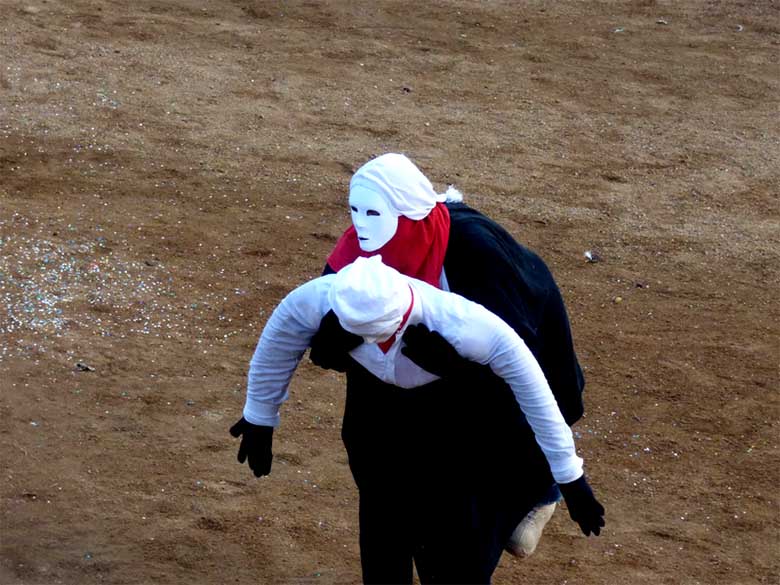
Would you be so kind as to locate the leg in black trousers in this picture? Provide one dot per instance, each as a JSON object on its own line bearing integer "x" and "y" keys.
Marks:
{"x": 386, "y": 538}
{"x": 463, "y": 535}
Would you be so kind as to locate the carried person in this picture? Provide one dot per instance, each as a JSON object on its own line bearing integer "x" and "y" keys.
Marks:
{"x": 417, "y": 503}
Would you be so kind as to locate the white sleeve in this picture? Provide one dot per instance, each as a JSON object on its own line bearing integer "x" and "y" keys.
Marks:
{"x": 284, "y": 340}
{"x": 483, "y": 337}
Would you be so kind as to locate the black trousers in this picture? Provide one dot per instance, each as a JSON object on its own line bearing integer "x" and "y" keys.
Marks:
{"x": 443, "y": 478}
{"x": 452, "y": 538}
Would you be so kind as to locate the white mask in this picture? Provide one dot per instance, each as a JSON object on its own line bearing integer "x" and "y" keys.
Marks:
{"x": 374, "y": 221}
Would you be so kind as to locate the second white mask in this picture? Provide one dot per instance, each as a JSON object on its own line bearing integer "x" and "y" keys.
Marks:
{"x": 374, "y": 221}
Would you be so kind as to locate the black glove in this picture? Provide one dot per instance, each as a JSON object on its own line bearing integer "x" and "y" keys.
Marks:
{"x": 331, "y": 345}
{"x": 583, "y": 506}
{"x": 255, "y": 444}
{"x": 434, "y": 354}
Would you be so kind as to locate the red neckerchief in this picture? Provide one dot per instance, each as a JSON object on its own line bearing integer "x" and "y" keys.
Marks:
{"x": 417, "y": 249}
{"x": 386, "y": 345}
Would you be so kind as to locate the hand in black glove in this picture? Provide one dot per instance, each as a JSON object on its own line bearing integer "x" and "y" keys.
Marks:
{"x": 434, "y": 354}
{"x": 583, "y": 506}
{"x": 331, "y": 344}
{"x": 255, "y": 444}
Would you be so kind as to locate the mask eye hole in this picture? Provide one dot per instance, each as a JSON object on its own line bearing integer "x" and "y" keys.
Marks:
{"x": 372, "y": 212}
{"x": 353, "y": 208}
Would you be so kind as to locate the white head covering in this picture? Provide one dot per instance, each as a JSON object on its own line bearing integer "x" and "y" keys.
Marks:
{"x": 400, "y": 183}
{"x": 370, "y": 298}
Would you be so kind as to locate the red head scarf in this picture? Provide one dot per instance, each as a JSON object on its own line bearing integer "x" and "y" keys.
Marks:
{"x": 417, "y": 249}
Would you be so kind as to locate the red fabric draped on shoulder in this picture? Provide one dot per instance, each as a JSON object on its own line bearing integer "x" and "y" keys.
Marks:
{"x": 417, "y": 249}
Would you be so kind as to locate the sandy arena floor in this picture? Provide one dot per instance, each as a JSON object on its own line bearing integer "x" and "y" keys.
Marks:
{"x": 170, "y": 168}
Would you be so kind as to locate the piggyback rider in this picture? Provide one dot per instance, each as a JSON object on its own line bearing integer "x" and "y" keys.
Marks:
{"x": 433, "y": 451}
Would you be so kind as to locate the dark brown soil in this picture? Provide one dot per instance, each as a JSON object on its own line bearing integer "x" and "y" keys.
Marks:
{"x": 168, "y": 170}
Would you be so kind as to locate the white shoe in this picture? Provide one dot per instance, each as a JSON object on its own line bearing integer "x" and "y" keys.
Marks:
{"x": 526, "y": 536}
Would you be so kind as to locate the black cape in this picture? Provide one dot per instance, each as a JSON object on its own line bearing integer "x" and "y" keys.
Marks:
{"x": 485, "y": 264}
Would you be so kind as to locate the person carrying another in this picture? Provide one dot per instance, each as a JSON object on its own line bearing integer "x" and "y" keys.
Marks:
{"x": 437, "y": 238}
{"x": 419, "y": 505}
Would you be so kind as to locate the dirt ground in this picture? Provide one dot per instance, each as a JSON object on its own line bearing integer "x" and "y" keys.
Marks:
{"x": 170, "y": 169}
